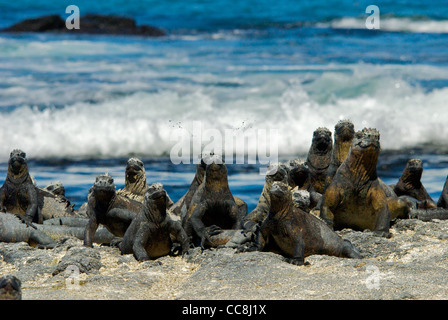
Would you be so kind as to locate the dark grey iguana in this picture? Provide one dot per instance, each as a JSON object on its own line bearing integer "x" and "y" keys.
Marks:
{"x": 300, "y": 179}
{"x": 154, "y": 231}
{"x": 10, "y": 288}
{"x": 357, "y": 198}
{"x": 213, "y": 207}
{"x": 181, "y": 207}
{"x": 410, "y": 185}
{"x": 19, "y": 194}
{"x": 319, "y": 158}
{"x": 109, "y": 209}
{"x": 275, "y": 172}
{"x": 344, "y": 131}
{"x": 295, "y": 233}
{"x": 12, "y": 229}
{"x": 443, "y": 200}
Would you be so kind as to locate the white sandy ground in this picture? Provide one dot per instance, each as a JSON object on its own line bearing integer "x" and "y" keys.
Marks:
{"x": 413, "y": 264}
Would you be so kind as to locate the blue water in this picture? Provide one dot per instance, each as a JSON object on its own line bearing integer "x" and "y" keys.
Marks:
{"x": 81, "y": 105}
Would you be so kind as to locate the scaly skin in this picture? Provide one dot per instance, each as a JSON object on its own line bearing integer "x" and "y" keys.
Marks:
{"x": 275, "y": 172}
{"x": 344, "y": 131}
{"x": 357, "y": 198}
{"x": 296, "y": 234}
{"x": 153, "y": 232}
{"x": 300, "y": 180}
{"x": 213, "y": 206}
{"x": 319, "y": 158}
{"x": 10, "y": 288}
{"x": 135, "y": 180}
{"x": 105, "y": 207}
{"x": 410, "y": 184}
{"x": 18, "y": 194}
{"x": 181, "y": 207}
{"x": 12, "y": 229}
{"x": 443, "y": 200}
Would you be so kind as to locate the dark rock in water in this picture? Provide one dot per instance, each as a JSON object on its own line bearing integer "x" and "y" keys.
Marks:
{"x": 41, "y": 24}
{"x": 89, "y": 24}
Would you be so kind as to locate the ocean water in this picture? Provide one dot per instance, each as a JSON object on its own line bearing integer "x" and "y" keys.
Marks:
{"x": 81, "y": 105}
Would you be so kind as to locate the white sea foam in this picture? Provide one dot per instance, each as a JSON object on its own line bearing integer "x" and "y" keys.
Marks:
{"x": 391, "y": 24}
{"x": 144, "y": 122}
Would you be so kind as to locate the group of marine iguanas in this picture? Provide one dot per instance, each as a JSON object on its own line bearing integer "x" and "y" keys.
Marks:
{"x": 301, "y": 205}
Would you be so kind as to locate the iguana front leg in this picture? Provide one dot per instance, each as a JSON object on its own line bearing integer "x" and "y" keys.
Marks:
{"x": 141, "y": 241}
{"x": 261, "y": 238}
{"x": 32, "y": 210}
{"x": 382, "y": 225}
{"x": 91, "y": 227}
{"x": 2, "y": 199}
{"x": 298, "y": 257}
{"x": 180, "y": 235}
{"x": 199, "y": 228}
{"x": 330, "y": 200}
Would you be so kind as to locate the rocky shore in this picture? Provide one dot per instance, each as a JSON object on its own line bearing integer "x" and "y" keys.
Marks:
{"x": 410, "y": 265}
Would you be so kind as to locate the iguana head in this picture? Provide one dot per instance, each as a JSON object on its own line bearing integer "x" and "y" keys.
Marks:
{"x": 413, "y": 171}
{"x": 366, "y": 140}
{"x": 363, "y": 155}
{"x": 319, "y": 155}
{"x": 321, "y": 142}
{"x": 216, "y": 171}
{"x": 17, "y": 165}
{"x": 10, "y": 288}
{"x": 200, "y": 170}
{"x": 135, "y": 176}
{"x": 344, "y": 131}
{"x": 301, "y": 199}
{"x": 281, "y": 198}
{"x": 104, "y": 186}
{"x": 56, "y": 188}
{"x": 155, "y": 202}
{"x": 276, "y": 171}
{"x": 299, "y": 172}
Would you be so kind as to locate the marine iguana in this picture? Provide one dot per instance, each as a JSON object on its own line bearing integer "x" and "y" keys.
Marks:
{"x": 135, "y": 180}
{"x": 410, "y": 184}
{"x": 10, "y": 288}
{"x": 181, "y": 207}
{"x": 344, "y": 131}
{"x": 443, "y": 200}
{"x": 213, "y": 206}
{"x": 135, "y": 184}
{"x": 19, "y": 194}
{"x": 275, "y": 172}
{"x": 300, "y": 179}
{"x": 105, "y": 207}
{"x": 319, "y": 158}
{"x": 153, "y": 232}
{"x": 12, "y": 229}
{"x": 357, "y": 198}
{"x": 296, "y": 234}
